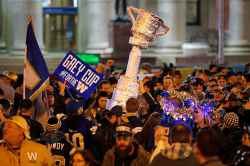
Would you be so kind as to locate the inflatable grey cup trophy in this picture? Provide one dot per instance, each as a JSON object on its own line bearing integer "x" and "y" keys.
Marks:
{"x": 145, "y": 28}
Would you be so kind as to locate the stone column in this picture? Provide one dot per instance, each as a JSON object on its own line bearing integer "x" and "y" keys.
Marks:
{"x": 173, "y": 12}
{"x": 238, "y": 37}
{"x": 93, "y": 26}
{"x": 18, "y": 11}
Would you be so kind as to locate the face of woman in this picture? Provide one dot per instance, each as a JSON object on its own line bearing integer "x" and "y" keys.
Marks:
{"x": 78, "y": 160}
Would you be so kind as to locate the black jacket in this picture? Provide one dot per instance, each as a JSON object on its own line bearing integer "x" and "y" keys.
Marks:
{"x": 104, "y": 139}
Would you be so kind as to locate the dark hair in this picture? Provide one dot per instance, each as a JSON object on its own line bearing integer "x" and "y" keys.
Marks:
{"x": 5, "y": 104}
{"x": 208, "y": 142}
{"x": 26, "y": 104}
{"x": 1, "y": 92}
{"x": 177, "y": 72}
{"x": 180, "y": 133}
{"x": 84, "y": 154}
{"x": 113, "y": 80}
{"x": 132, "y": 105}
{"x": 103, "y": 82}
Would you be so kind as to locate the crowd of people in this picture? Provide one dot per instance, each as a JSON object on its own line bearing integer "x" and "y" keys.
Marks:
{"x": 208, "y": 123}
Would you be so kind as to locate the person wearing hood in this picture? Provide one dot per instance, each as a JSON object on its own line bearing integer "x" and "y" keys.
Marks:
{"x": 16, "y": 148}
{"x": 179, "y": 152}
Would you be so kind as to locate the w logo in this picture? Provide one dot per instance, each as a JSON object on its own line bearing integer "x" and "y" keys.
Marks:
{"x": 32, "y": 156}
{"x": 81, "y": 87}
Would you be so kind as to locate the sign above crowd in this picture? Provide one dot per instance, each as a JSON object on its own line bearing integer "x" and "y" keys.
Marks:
{"x": 78, "y": 75}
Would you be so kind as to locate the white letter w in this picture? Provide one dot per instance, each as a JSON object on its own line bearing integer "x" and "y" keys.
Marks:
{"x": 32, "y": 156}
{"x": 81, "y": 86}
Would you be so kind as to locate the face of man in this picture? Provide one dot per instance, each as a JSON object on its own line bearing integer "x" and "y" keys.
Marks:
{"x": 168, "y": 83}
{"x": 123, "y": 142}
{"x": 106, "y": 88}
{"x": 102, "y": 102}
{"x": 222, "y": 82}
{"x": 13, "y": 134}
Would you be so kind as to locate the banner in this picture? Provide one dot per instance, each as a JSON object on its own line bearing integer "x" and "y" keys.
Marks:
{"x": 79, "y": 76}
{"x": 36, "y": 74}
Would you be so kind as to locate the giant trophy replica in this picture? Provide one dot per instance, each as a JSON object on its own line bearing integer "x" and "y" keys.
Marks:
{"x": 146, "y": 27}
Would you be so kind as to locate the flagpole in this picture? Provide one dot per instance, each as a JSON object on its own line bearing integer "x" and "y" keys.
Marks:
{"x": 24, "y": 82}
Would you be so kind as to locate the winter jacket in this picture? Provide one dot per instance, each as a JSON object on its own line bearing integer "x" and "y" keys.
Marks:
{"x": 104, "y": 139}
{"x": 30, "y": 154}
{"x": 138, "y": 158}
{"x": 178, "y": 154}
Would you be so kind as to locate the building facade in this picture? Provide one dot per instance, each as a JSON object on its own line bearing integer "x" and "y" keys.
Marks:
{"x": 86, "y": 27}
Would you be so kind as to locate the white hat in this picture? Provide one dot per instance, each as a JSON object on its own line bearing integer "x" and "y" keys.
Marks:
{"x": 21, "y": 122}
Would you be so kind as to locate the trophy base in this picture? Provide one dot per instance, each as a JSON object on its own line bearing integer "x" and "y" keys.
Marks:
{"x": 126, "y": 88}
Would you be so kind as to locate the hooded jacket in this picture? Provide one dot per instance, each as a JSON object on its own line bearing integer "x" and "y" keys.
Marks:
{"x": 178, "y": 154}
{"x": 30, "y": 154}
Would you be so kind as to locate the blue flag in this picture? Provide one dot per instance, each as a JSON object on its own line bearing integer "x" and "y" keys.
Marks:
{"x": 79, "y": 76}
{"x": 36, "y": 74}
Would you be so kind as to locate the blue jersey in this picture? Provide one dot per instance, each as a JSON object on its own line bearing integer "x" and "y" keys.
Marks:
{"x": 59, "y": 146}
{"x": 77, "y": 130}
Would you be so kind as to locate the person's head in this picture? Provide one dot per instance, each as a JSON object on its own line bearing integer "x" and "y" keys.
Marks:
{"x": 222, "y": 81}
{"x": 218, "y": 95}
{"x": 1, "y": 94}
{"x": 110, "y": 62}
{"x": 177, "y": 78}
{"x": 114, "y": 115}
{"x": 212, "y": 85}
{"x": 232, "y": 78}
{"x": 105, "y": 86}
{"x": 101, "y": 100}
{"x": 79, "y": 158}
{"x": 132, "y": 105}
{"x": 26, "y": 107}
{"x": 158, "y": 85}
{"x": 50, "y": 96}
{"x": 8, "y": 77}
{"x": 207, "y": 144}
{"x": 100, "y": 68}
{"x": 213, "y": 68}
{"x": 53, "y": 124}
{"x": 6, "y": 107}
{"x": 198, "y": 85}
{"x": 123, "y": 137}
{"x": 223, "y": 70}
{"x": 74, "y": 108}
{"x": 15, "y": 130}
{"x": 148, "y": 86}
{"x": 168, "y": 82}
{"x": 203, "y": 75}
{"x": 180, "y": 133}
{"x": 113, "y": 82}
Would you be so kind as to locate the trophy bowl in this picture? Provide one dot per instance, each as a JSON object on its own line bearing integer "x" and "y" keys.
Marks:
{"x": 146, "y": 27}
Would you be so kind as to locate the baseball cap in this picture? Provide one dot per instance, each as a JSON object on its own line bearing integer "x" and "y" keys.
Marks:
{"x": 21, "y": 122}
{"x": 123, "y": 130}
{"x": 10, "y": 75}
{"x": 53, "y": 123}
